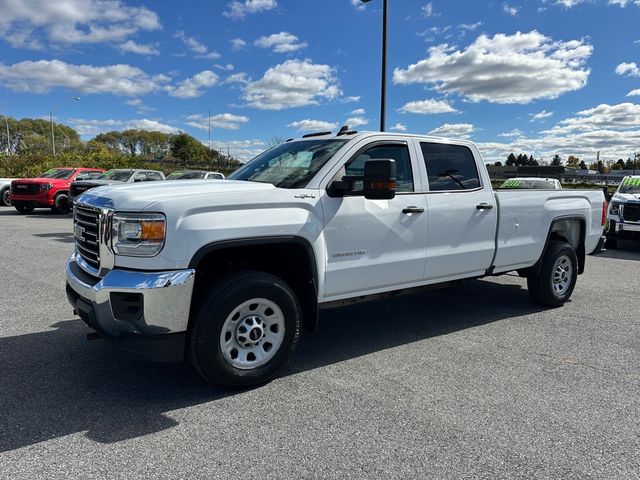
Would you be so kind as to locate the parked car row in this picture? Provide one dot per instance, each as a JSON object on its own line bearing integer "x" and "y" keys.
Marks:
{"x": 56, "y": 188}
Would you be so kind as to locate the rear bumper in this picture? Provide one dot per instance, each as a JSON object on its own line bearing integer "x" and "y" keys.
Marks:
{"x": 142, "y": 313}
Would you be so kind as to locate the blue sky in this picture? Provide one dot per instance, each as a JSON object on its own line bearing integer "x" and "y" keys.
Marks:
{"x": 538, "y": 76}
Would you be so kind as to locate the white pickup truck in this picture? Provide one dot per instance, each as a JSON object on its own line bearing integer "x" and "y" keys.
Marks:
{"x": 623, "y": 219}
{"x": 227, "y": 273}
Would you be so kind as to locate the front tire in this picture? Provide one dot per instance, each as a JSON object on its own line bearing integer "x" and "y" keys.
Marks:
{"x": 60, "y": 204}
{"x": 245, "y": 329}
{"x": 4, "y": 197}
{"x": 555, "y": 282}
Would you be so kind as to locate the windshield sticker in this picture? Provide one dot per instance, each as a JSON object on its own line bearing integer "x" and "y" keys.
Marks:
{"x": 631, "y": 182}
{"x": 513, "y": 183}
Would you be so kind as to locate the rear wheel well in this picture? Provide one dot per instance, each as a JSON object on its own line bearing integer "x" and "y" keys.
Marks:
{"x": 292, "y": 261}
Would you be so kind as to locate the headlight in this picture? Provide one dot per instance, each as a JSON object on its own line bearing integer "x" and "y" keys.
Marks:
{"x": 138, "y": 234}
{"x": 45, "y": 187}
{"x": 615, "y": 208}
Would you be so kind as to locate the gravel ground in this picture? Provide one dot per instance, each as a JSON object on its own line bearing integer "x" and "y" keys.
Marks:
{"x": 467, "y": 382}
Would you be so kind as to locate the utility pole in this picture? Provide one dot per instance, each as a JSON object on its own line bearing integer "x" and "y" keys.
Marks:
{"x": 383, "y": 86}
{"x": 53, "y": 135}
{"x": 6, "y": 122}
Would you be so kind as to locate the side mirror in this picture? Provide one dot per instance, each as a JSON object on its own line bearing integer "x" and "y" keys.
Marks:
{"x": 379, "y": 180}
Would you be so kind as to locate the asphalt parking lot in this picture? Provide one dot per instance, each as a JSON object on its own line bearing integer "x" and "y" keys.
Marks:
{"x": 467, "y": 382}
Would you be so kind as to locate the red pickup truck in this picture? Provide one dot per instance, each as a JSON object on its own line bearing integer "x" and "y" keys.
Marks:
{"x": 49, "y": 190}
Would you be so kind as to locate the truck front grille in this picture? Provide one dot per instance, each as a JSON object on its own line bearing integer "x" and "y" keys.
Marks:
{"x": 86, "y": 230}
{"x": 631, "y": 212}
{"x": 18, "y": 188}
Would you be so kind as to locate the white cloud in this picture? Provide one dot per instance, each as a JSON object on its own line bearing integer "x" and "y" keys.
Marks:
{"x": 535, "y": 117}
{"x": 612, "y": 130}
{"x": 516, "y": 132}
{"x": 282, "y": 42}
{"x": 454, "y": 130}
{"x": 238, "y": 44}
{"x": 241, "y": 149}
{"x": 358, "y": 4}
{"x": 515, "y": 68}
{"x": 240, "y": 9}
{"x": 623, "y": 3}
{"x": 141, "y": 49}
{"x": 399, "y": 127}
{"x": 194, "y": 86}
{"x": 351, "y": 99}
{"x": 43, "y": 75}
{"x": 355, "y": 122}
{"x": 140, "y": 106}
{"x": 226, "y": 68}
{"x": 358, "y": 111}
{"x": 27, "y": 24}
{"x": 429, "y": 11}
{"x": 196, "y": 46}
{"x": 427, "y": 107}
{"x": 308, "y": 125}
{"x": 240, "y": 77}
{"x": 225, "y": 121}
{"x": 630, "y": 69}
{"x": 294, "y": 83}
{"x": 93, "y": 127}
{"x": 634, "y": 93}
{"x": 470, "y": 26}
{"x": 569, "y": 3}
{"x": 510, "y": 10}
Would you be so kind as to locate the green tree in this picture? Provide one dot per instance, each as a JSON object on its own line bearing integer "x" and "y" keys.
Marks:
{"x": 583, "y": 166}
{"x": 573, "y": 162}
{"x": 557, "y": 161}
{"x": 511, "y": 160}
{"x": 187, "y": 148}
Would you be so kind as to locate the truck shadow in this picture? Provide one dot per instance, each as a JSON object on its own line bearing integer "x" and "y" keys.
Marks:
{"x": 627, "y": 250}
{"x": 55, "y": 383}
{"x": 38, "y": 213}
{"x": 64, "y": 237}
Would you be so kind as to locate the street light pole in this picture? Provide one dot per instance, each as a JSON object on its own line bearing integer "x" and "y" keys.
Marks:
{"x": 383, "y": 86}
{"x": 53, "y": 135}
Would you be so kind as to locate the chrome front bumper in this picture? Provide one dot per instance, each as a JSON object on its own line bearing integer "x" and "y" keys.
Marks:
{"x": 127, "y": 303}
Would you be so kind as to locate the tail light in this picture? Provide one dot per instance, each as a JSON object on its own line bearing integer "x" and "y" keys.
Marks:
{"x": 604, "y": 213}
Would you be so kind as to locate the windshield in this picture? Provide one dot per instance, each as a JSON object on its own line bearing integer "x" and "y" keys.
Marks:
{"x": 630, "y": 185}
{"x": 289, "y": 165}
{"x": 185, "y": 175}
{"x": 116, "y": 175}
{"x": 59, "y": 173}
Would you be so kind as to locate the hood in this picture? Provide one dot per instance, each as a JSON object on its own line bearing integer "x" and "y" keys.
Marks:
{"x": 625, "y": 197}
{"x": 39, "y": 180}
{"x": 148, "y": 195}
{"x": 96, "y": 183}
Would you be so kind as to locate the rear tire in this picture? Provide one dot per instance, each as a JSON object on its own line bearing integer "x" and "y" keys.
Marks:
{"x": 4, "y": 197}
{"x": 60, "y": 204}
{"x": 24, "y": 210}
{"x": 557, "y": 277}
{"x": 245, "y": 329}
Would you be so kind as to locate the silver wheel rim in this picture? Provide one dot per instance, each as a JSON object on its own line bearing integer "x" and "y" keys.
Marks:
{"x": 5, "y": 197}
{"x": 252, "y": 333}
{"x": 562, "y": 275}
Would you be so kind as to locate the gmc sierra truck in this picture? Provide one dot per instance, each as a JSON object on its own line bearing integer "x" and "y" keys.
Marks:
{"x": 227, "y": 274}
{"x": 623, "y": 219}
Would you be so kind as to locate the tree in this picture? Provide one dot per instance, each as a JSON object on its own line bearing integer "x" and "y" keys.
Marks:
{"x": 497, "y": 164}
{"x": 557, "y": 161}
{"x": 619, "y": 165}
{"x": 573, "y": 162}
{"x": 187, "y": 148}
{"x": 511, "y": 160}
{"x": 583, "y": 166}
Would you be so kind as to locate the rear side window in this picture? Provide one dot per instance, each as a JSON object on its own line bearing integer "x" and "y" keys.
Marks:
{"x": 450, "y": 167}
{"x": 153, "y": 176}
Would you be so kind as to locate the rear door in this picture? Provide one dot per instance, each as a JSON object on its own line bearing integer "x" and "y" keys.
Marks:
{"x": 376, "y": 244}
{"x": 462, "y": 215}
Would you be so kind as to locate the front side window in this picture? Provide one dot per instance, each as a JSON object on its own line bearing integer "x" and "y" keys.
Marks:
{"x": 450, "y": 167}
{"x": 289, "y": 165}
{"x": 397, "y": 152}
{"x": 153, "y": 176}
{"x": 116, "y": 175}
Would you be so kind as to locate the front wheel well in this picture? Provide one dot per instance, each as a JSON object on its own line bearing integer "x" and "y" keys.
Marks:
{"x": 292, "y": 260}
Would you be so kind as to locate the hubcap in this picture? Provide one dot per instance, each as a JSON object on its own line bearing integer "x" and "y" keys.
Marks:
{"x": 5, "y": 197}
{"x": 562, "y": 275}
{"x": 252, "y": 333}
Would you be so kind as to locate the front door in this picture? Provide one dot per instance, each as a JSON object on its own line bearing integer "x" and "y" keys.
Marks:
{"x": 375, "y": 244}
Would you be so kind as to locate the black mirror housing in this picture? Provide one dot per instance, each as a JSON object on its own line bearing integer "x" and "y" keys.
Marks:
{"x": 379, "y": 180}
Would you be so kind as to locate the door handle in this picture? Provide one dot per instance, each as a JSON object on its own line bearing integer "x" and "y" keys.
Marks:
{"x": 412, "y": 209}
{"x": 484, "y": 206}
